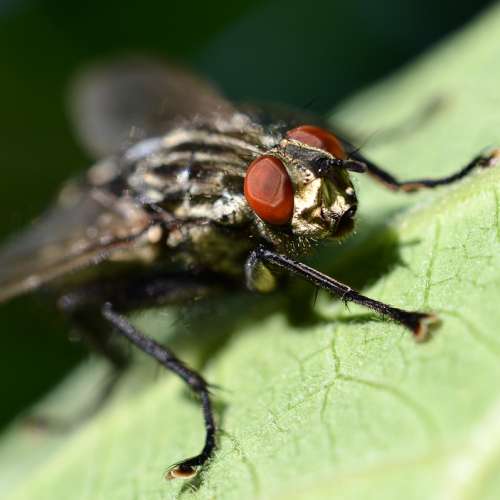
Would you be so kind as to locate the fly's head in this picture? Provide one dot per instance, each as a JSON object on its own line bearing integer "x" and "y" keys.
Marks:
{"x": 300, "y": 191}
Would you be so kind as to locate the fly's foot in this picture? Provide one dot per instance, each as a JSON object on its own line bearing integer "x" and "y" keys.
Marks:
{"x": 187, "y": 469}
{"x": 427, "y": 322}
{"x": 419, "y": 323}
{"x": 490, "y": 160}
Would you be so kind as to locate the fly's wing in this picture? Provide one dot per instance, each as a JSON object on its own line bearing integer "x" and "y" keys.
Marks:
{"x": 86, "y": 226}
{"x": 113, "y": 106}
{"x": 116, "y": 104}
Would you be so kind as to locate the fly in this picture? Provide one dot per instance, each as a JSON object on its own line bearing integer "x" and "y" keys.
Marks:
{"x": 194, "y": 196}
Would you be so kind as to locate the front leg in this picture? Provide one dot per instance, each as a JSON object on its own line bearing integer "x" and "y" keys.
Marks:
{"x": 417, "y": 322}
{"x": 389, "y": 181}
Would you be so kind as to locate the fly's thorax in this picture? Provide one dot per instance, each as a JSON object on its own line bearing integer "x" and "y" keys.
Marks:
{"x": 191, "y": 181}
{"x": 197, "y": 173}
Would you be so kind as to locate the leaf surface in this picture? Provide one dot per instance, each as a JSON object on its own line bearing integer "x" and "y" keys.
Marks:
{"x": 349, "y": 406}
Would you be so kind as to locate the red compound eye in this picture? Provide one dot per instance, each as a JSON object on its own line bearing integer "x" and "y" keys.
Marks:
{"x": 318, "y": 138}
{"x": 268, "y": 190}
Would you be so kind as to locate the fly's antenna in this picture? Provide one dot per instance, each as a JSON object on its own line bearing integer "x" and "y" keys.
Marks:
{"x": 351, "y": 164}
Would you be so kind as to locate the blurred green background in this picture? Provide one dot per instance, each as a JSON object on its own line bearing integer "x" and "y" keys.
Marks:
{"x": 294, "y": 52}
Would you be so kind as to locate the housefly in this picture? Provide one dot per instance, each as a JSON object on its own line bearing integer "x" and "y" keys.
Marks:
{"x": 194, "y": 195}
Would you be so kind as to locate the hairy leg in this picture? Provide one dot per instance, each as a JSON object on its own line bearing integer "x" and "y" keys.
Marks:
{"x": 101, "y": 305}
{"x": 416, "y": 322}
{"x": 186, "y": 468}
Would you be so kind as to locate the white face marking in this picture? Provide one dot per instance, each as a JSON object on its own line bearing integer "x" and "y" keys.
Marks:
{"x": 306, "y": 201}
{"x": 349, "y": 191}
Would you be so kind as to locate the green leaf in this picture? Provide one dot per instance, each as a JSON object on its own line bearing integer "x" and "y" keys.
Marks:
{"x": 347, "y": 406}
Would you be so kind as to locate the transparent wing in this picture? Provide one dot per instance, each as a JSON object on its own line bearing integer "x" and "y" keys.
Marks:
{"x": 115, "y": 104}
{"x": 86, "y": 226}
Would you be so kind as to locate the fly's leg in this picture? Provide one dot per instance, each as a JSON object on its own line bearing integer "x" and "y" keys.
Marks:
{"x": 389, "y": 181}
{"x": 149, "y": 291}
{"x": 91, "y": 331}
{"x": 189, "y": 467}
{"x": 417, "y": 322}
